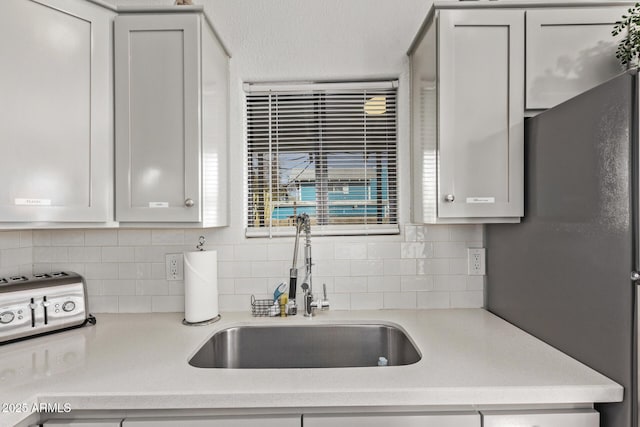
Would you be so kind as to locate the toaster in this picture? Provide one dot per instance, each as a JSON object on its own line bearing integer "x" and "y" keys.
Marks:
{"x": 42, "y": 303}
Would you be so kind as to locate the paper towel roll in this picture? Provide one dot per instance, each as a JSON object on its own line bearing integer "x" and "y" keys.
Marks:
{"x": 200, "y": 286}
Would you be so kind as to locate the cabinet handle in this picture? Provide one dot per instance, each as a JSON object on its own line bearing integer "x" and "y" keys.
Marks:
{"x": 189, "y": 203}
{"x": 449, "y": 198}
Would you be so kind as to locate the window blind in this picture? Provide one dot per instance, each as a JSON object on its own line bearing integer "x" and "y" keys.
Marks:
{"x": 326, "y": 150}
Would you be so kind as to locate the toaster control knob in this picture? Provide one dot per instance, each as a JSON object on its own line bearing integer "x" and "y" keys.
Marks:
{"x": 68, "y": 306}
{"x": 33, "y": 306}
{"x": 46, "y": 303}
{"x": 6, "y": 317}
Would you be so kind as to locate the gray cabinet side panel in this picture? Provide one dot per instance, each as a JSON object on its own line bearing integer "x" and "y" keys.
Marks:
{"x": 563, "y": 273}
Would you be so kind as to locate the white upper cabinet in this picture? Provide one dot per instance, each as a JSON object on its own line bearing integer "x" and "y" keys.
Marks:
{"x": 569, "y": 50}
{"x": 467, "y": 75}
{"x": 172, "y": 90}
{"x": 56, "y": 112}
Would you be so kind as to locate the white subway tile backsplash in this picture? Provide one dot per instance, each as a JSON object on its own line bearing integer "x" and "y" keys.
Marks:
{"x": 450, "y": 283}
{"x": 50, "y": 254}
{"x": 138, "y": 270}
{"x": 68, "y": 238}
{"x": 269, "y": 269}
{"x": 251, "y": 286}
{"x": 399, "y": 267}
{"x": 370, "y": 267}
{"x": 278, "y": 252}
{"x": 151, "y": 287}
{"x": 435, "y": 233}
{"x": 233, "y": 269}
{"x": 424, "y": 267}
{"x": 177, "y": 288}
{"x": 400, "y": 300}
{"x": 234, "y": 303}
{"x": 467, "y": 299}
{"x": 9, "y": 239}
{"x": 383, "y": 250}
{"x": 417, "y": 250}
{"x": 103, "y": 304}
{"x": 152, "y": 253}
{"x": 134, "y": 304}
{"x": 250, "y": 252}
{"x": 15, "y": 257}
{"x": 26, "y": 239}
{"x": 434, "y": 299}
{"x": 351, "y": 251}
{"x": 465, "y": 233}
{"x": 85, "y": 254}
{"x": 118, "y": 254}
{"x": 167, "y": 304}
{"x": 158, "y": 270}
{"x": 337, "y": 267}
{"x": 320, "y": 250}
{"x": 168, "y": 237}
{"x": 416, "y": 283}
{"x": 101, "y": 237}
{"x": 134, "y": 237}
{"x": 475, "y": 283}
{"x": 367, "y": 301}
{"x": 340, "y": 301}
{"x": 449, "y": 250}
{"x": 225, "y": 286}
{"x": 383, "y": 283}
{"x": 118, "y": 287}
{"x": 350, "y": 284}
{"x": 42, "y": 238}
{"x": 434, "y": 267}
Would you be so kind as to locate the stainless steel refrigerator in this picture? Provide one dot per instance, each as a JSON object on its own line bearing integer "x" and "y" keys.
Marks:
{"x": 566, "y": 273}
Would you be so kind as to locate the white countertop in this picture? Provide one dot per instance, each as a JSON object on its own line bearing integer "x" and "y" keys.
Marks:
{"x": 139, "y": 361}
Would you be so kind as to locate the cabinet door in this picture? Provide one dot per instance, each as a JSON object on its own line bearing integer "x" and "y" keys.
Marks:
{"x": 568, "y": 52}
{"x": 394, "y": 420}
{"x": 83, "y": 423}
{"x": 481, "y": 132}
{"x": 575, "y": 418}
{"x": 56, "y": 116}
{"x": 226, "y": 421}
{"x": 157, "y": 75}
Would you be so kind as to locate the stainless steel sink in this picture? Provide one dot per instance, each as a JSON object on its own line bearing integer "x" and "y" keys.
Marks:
{"x": 311, "y": 346}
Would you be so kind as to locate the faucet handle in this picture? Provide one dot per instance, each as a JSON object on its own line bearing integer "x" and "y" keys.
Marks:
{"x": 324, "y": 291}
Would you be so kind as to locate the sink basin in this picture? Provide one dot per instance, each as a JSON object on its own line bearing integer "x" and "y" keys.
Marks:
{"x": 310, "y": 346}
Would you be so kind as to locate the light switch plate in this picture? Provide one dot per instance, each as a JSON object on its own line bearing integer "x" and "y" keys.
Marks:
{"x": 477, "y": 261}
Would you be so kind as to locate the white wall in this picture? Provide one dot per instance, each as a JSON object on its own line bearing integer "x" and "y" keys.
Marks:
{"x": 280, "y": 40}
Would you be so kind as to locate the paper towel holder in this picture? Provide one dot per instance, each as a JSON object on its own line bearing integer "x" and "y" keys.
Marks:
{"x": 200, "y": 247}
{"x": 203, "y": 323}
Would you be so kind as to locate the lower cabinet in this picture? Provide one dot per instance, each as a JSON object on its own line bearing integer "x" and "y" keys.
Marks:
{"x": 574, "y": 418}
{"x": 521, "y": 418}
{"x": 223, "y": 421}
{"x": 460, "y": 419}
{"x": 111, "y": 422}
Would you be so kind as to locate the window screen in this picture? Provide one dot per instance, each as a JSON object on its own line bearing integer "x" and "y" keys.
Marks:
{"x": 327, "y": 150}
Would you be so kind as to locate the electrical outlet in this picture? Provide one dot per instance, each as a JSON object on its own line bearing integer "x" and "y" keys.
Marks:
{"x": 175, "y": 266}
{"x": 476, "y": 259}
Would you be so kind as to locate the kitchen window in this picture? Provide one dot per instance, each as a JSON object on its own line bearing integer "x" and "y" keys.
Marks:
{"x": 325, "y": 149}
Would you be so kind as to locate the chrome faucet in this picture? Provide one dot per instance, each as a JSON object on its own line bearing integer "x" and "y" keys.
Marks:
{"x": 304, "y": 223}
{"x": 310, "y": 304}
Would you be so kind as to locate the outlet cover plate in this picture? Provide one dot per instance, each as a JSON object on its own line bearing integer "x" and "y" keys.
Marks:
{"x": 175, "y": 267}
{"x": 477, "y": 261}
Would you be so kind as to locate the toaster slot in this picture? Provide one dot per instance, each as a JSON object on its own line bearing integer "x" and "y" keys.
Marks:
{"x": 33, "y": 306}
{"x": 45, "y": 304}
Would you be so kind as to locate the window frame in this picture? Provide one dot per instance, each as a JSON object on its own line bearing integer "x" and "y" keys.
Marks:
{"x": 318, "y": 229}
